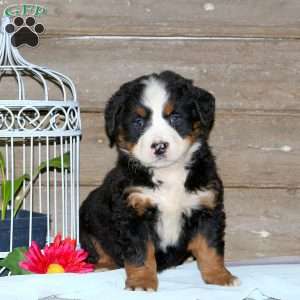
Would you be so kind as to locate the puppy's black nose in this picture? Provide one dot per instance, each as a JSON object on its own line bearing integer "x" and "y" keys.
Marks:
{"x": 160, "y": 148}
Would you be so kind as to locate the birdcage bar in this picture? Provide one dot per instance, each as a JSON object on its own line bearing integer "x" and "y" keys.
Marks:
{"x": 69, "y": 184}
{"x": 76, "y": 189}
{"x": 66, "y": 194}
{"x": 40, "y": 177}
{"x": 48, "y": 190}
{"x": 12, "y": 192}
{"x": 55, "y": 191}
{"x": 72, "y": 187}
{"x": 31, "y": 191}
{"x": 24, "y": 169}
{"x": 62, "y": 186}
{"x": 34, "y": 131}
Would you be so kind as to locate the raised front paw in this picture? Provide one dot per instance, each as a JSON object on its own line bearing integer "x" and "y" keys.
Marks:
{"x": 140, "y": 202}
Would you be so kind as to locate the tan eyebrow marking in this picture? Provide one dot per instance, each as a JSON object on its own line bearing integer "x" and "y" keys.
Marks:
{"x": 168, "y": 109}
{"x": 141, "y": 111}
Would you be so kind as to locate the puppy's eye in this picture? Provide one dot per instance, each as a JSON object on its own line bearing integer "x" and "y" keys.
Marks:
{"x": 175, "y": 119}
{"x": 138, "y": 123}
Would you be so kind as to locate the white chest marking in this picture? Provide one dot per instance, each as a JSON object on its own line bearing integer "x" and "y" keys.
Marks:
{"x": 172, "y": 201}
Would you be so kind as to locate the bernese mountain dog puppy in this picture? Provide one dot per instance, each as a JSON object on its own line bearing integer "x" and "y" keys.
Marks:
{"x": 163, "y": 201}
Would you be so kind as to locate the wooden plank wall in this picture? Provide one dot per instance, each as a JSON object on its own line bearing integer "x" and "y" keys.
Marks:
{"x": 246, "y": 52}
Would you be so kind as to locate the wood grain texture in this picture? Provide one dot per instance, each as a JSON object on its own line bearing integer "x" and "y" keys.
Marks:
{"x": 243, "y": 75}
{"x": 252, "y": 150}
{"x": 262, "y": 223}
{"x": 247, "y": 18}
{"x": 256, "y": 83}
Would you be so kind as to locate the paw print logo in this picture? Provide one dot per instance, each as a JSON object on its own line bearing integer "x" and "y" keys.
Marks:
{"x": 25, "y": 32}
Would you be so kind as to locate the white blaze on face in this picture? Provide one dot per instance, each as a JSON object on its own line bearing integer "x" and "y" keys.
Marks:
{"x": 155, "y": 97}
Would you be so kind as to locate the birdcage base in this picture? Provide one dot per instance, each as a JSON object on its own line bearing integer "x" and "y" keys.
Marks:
{"x": 21, "y": 229}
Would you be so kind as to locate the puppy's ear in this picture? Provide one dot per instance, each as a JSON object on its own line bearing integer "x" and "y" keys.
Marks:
{"x": 113, "y": 111}
{"x": 205, "y": 107}
{"x": 116, "y": 105}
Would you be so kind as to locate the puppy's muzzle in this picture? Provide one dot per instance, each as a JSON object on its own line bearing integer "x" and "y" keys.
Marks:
{"x": 160, "y": 148}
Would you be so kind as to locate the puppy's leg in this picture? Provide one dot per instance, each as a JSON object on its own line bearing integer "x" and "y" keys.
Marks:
{"x": 138, "y": 249}
{"x": 97, "y": 255}
{"x": 142, "y": 277}
{"x": 105, "y": 261}
{"x": 210, "y": 263}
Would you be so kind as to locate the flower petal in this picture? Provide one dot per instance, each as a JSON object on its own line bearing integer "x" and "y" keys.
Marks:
{"x": 61, "y": 252}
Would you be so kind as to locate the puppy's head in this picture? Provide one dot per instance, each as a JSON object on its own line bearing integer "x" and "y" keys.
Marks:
{"x": 157, "y": 118}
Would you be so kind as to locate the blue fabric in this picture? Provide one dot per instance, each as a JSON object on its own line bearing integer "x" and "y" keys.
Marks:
{"x": 182, "y": 283}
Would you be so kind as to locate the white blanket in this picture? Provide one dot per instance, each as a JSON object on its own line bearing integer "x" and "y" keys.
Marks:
{"x": 184, "y": 282}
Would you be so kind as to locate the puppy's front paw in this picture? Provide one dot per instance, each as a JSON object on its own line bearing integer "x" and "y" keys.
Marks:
{"x": 234, "y": 281}
{"x": 147, "y": 283}
{"x": 224, "y": 278}
{"x": 139, "y": 202}
{"x": 142, "y": 277}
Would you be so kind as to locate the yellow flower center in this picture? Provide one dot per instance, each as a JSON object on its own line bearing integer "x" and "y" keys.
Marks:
{"x": 55, "y": 268}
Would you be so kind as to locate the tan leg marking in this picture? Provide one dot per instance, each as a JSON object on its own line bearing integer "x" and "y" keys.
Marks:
{"x": 105, "y": 261}
{"x": 138, "y": 200}
{"x": 211, "y": 264}
{"x": 143, "y": 278}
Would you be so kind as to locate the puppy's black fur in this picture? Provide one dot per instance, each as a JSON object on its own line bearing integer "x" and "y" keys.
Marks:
{"x": 105, "y": 215}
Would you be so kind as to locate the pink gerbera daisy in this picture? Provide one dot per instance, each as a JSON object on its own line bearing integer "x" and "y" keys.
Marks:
{"x": 59, "y": 257}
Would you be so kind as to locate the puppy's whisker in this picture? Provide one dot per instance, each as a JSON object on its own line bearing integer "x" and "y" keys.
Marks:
{"x": 133, "y": 164}
{"x": 124, "y": 150}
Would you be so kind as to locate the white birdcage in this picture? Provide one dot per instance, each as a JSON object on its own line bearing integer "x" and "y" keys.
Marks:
{"x": 39, "y": 138}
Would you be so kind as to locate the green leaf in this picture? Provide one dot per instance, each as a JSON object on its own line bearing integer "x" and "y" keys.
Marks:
{"x": 56, "y": 162}
{"x": 12, "y": 260}
{"x": 6, "y": 192}
{"x": 5, "y": 199}
{"x": 2, "y": 166}
{"x": 3, "y": 187}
